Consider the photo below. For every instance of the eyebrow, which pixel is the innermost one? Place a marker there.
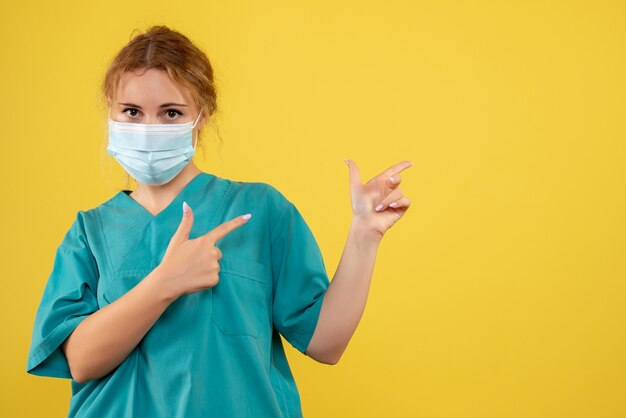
(163, 105)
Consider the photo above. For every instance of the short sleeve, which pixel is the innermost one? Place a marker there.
(299, 276)
(68, 298)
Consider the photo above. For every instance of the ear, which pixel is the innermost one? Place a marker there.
(202, 120)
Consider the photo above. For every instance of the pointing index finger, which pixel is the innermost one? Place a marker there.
(220, 231)
(397, 168)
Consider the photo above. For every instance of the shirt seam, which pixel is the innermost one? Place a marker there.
(273, 236)
(104, 240)
(220, 209)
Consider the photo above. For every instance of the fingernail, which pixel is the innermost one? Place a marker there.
(246, 216)
(379, 207)
(185, 207)
(391, 179)
(394, 204)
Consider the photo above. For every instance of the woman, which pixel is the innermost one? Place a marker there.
(169, 301)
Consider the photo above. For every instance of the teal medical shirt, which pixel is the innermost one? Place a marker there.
(212, 353)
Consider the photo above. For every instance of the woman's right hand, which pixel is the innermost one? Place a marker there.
(191, 265)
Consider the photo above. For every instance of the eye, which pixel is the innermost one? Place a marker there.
(173, 114)
(131, 114)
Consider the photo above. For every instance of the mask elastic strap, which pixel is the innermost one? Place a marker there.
(194, 124)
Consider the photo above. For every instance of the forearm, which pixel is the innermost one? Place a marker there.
(103, 340)
(346, 296)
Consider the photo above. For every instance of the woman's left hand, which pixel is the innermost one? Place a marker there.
(379, 203)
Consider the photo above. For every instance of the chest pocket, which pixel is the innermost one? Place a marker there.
(242, 297)
(113, 286)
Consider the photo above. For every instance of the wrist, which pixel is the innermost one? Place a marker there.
(164, 284)
(365, 233)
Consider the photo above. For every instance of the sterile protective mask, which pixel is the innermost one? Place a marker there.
(152, 153)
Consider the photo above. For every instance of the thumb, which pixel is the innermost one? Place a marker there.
(184, 228)
(355, 176)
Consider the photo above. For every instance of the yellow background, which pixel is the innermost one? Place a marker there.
(501, 293)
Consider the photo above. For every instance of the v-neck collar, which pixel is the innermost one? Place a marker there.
(191, 185)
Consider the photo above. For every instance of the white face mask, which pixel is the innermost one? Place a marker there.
(152, 153)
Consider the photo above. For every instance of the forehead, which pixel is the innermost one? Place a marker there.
(151, 87)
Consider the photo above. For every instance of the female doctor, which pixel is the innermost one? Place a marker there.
(169, 300)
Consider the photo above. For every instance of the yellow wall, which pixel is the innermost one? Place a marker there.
(501, 293)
